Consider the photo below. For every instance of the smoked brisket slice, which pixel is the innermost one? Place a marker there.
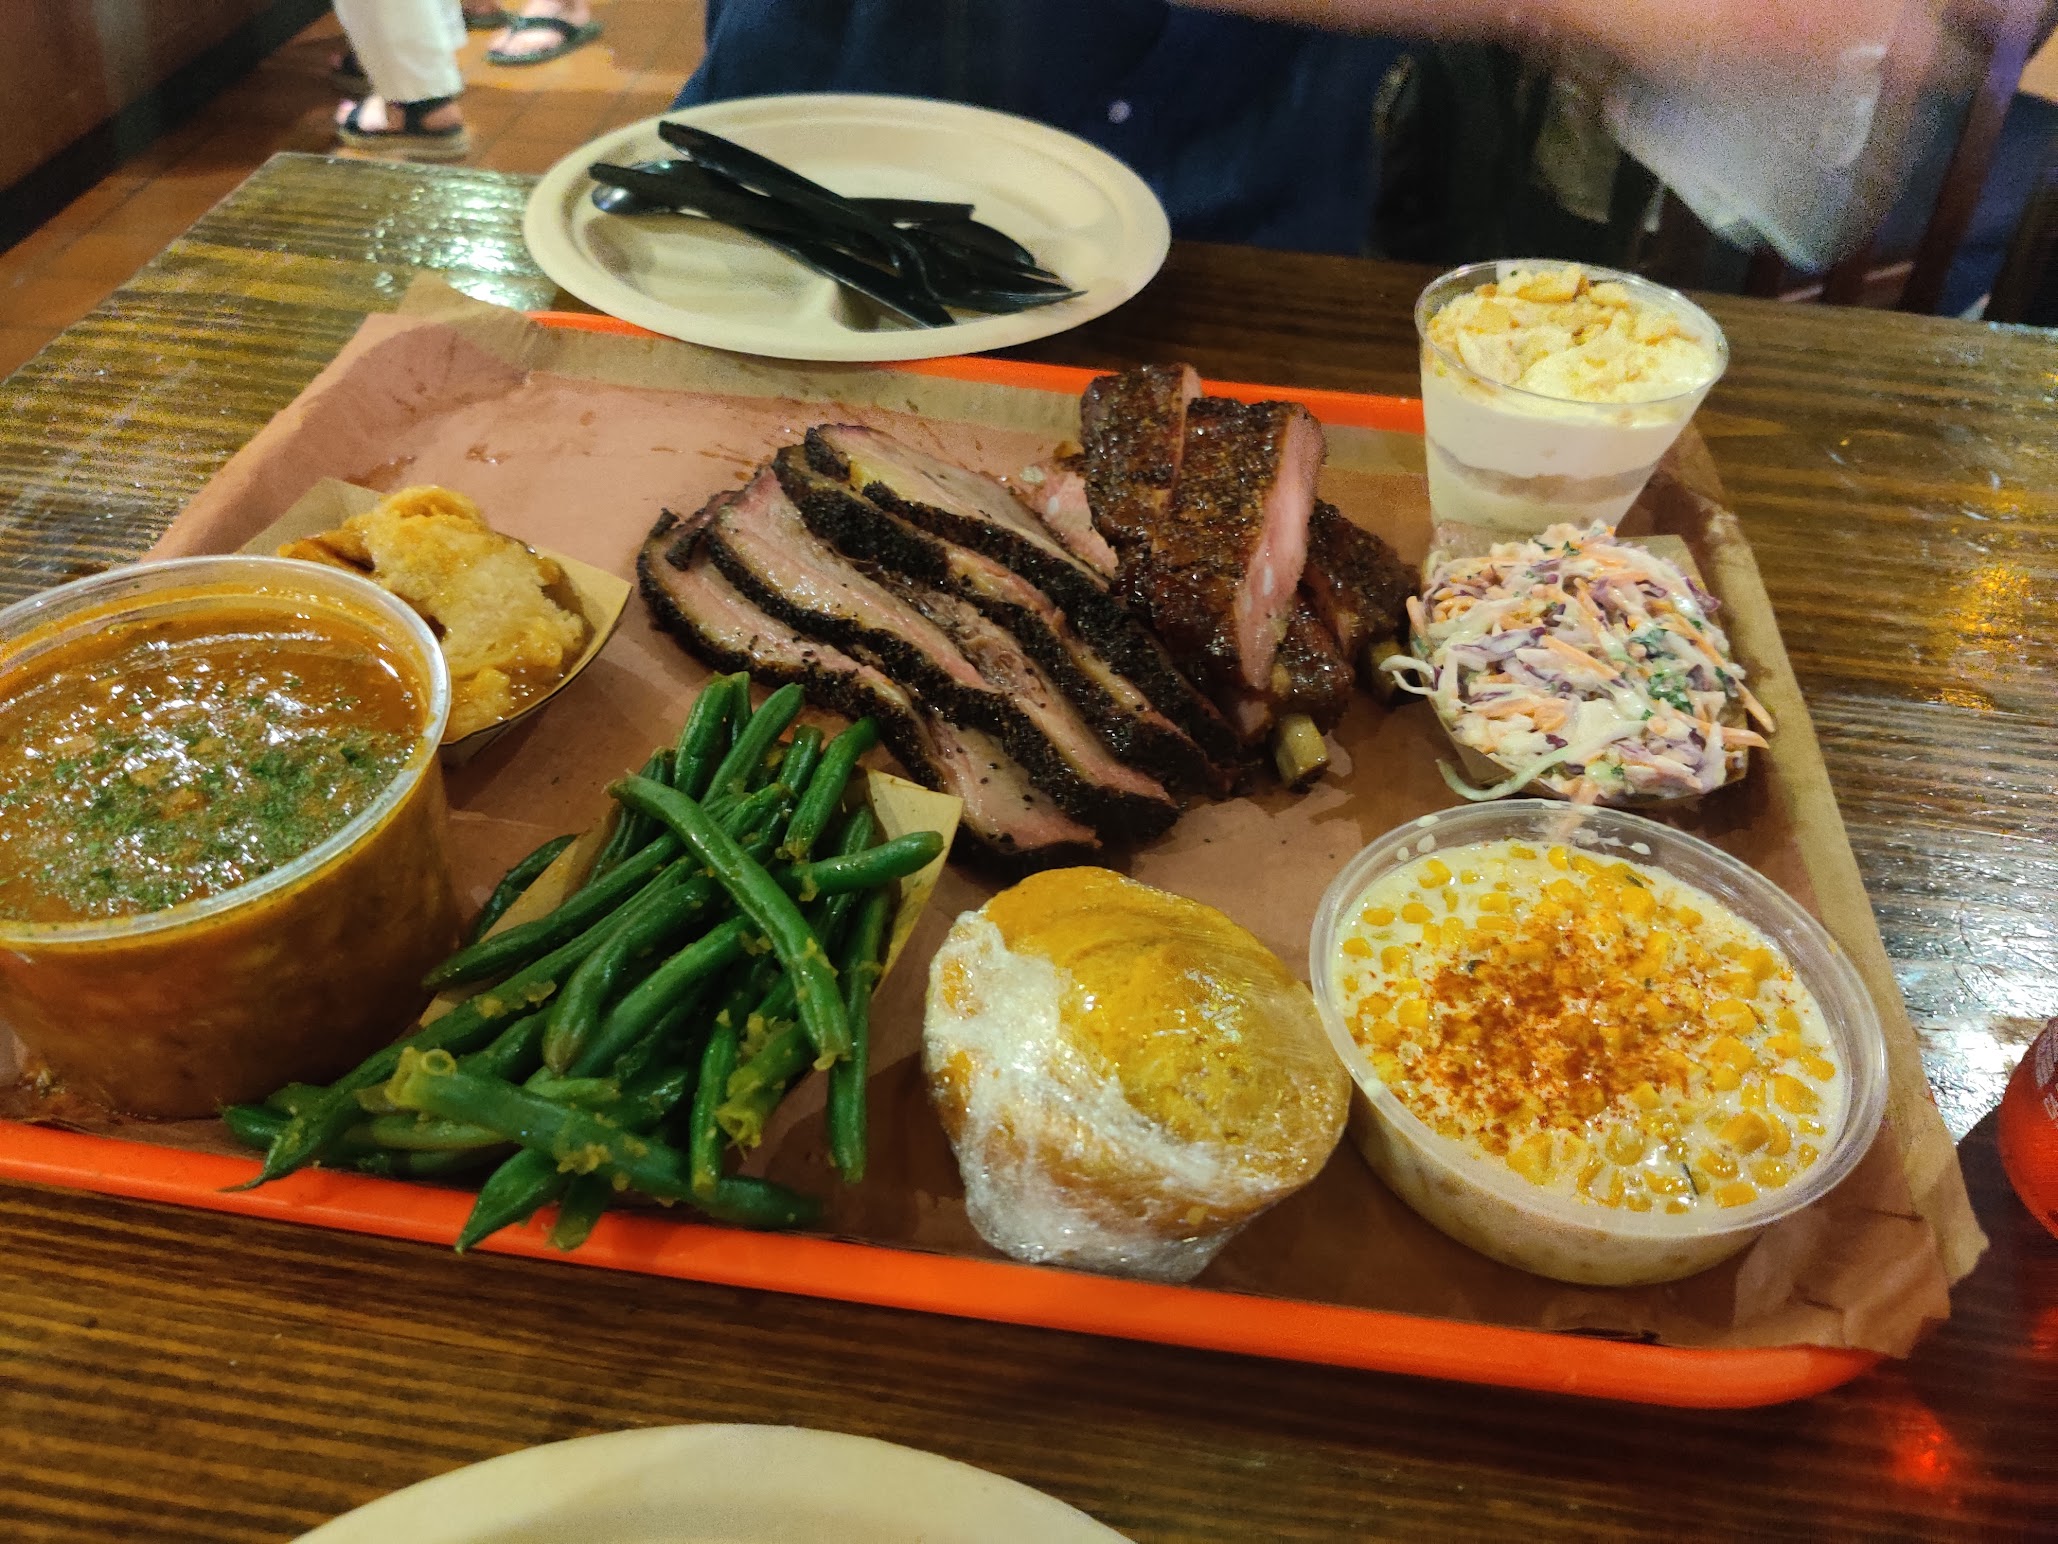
(981, 514)
(1356, 583)
(1056, 491)
(1005, 814)
(1111, 705)
(1220, 571)
(921, 638)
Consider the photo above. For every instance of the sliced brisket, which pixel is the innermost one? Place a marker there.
(981, 514)
(1115, 709)
(939, 649)
(1004, 811)
(1056, 490)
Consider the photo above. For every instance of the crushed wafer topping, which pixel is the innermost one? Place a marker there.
(1555, 332)
(1606, 1031)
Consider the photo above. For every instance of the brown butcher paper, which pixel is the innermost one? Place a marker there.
(576, 442)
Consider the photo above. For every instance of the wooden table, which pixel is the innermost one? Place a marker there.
(173, 1375)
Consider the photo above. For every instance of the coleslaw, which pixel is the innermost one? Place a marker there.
(1585, 665)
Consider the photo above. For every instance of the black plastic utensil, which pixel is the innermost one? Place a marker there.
(917, 259)
(679, 187)
(761, 173)
(781, 228)
(614, 199)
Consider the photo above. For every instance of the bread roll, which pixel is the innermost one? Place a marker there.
(1127, 1076)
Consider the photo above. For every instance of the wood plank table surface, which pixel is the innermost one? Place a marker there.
(167, 1374)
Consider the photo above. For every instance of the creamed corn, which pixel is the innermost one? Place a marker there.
(1604, 1030)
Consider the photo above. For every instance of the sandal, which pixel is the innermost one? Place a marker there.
(570, 36)
(347, 75)
(410, 141)
(487, 21)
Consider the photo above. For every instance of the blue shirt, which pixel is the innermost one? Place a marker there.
(1247, 131)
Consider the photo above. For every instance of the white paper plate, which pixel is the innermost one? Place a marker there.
(1083, 213)
(704, 1484)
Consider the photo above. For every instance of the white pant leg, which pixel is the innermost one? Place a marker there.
(407, 47)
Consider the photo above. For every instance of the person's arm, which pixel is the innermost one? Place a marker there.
(1657, 38)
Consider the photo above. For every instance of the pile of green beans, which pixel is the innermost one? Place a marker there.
(640, 1034)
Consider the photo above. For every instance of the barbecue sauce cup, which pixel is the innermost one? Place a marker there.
(192, 675)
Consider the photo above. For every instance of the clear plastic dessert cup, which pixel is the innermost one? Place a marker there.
(1514, 461)
(295, 974)
(1478, 1199)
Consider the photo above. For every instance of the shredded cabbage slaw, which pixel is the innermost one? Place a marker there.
(1584, 664)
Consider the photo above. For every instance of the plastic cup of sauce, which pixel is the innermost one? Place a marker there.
(223, 858)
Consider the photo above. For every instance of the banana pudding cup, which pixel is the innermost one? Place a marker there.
(1550, 391)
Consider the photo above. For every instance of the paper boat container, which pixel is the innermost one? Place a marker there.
(594, 593)
(1454, 540)
(899, 805)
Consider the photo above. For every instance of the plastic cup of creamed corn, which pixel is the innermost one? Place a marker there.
(1551, 390)
(1590, 1045)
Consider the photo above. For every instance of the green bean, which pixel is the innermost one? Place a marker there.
(746, 988)
(374, 1101)
(410, 1133)
(512, 1194)
(825, 789)
(394, 1165)
(527, 1181)
(651, 920)
(632, 830)
(705, 736)
(257, 1125)
(703, 1135)
(862, 960)
(664, 1040)
(758, 1203)
(254, 1125)
(867, 870)
(783, 1055)
(827, 914)
(515, 946)
(294, 1097)
(597, 902)
(466, 1027)
(515, 1052)
(758, 736)
(760, 899)
(646, 1003)
(756, 1087)
(576, 1019)
(651, 1096)
(513, 883)
(803, 754)
(585, 1199)
(589, 1093)
(579, 1142)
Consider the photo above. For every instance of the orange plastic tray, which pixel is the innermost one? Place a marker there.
(942, 1284)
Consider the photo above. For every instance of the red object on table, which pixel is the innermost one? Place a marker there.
(2029, 1128)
